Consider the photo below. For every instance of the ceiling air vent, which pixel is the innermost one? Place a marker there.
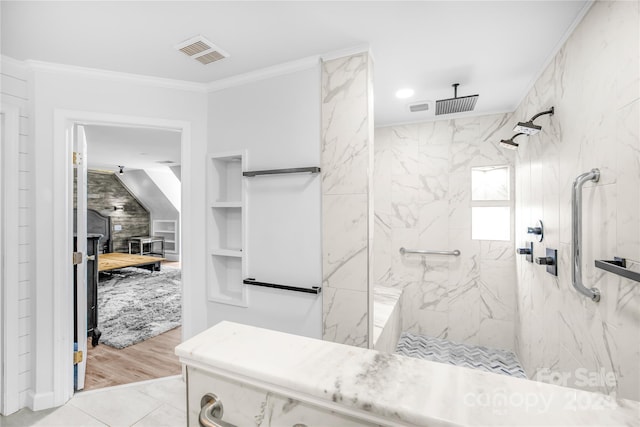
(210, 57)
(202, 50)
(419, 106)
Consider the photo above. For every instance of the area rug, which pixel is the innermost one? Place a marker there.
(136, 304)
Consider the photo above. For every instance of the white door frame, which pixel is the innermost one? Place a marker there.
(80, 148)
(9, 249)
(62, 217)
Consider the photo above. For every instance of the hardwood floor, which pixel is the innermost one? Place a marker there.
(153, 358)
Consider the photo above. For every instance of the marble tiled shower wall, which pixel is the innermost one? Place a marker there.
(593, 84)
(422, 184)
(347, 144)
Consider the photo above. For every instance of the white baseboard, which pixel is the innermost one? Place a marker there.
(40, 401)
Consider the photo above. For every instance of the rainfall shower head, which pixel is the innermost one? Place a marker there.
(510, 143)
(529, 127)
(455, 104)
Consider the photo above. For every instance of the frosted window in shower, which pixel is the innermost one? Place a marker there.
(490, 183)
(491, 223)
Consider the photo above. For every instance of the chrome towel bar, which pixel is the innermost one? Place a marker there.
(576, 234)
(404, 251)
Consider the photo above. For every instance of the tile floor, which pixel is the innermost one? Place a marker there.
(160, 402)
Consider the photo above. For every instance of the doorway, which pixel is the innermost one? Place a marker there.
(63, 326)
(133, 201)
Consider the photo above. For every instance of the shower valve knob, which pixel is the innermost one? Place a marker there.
(537, 231)
(527, 251)
(545, 260)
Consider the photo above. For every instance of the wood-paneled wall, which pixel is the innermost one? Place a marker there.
(104, 191)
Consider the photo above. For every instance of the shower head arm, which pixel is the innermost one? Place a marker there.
(513, 137)
(549, 111)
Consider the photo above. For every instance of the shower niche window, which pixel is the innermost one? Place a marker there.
(490, 183)
(490, 203)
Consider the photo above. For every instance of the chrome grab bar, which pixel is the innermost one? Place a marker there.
(427, 252)
(211, 411)
(576, 232)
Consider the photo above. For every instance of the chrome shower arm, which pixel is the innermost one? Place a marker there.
(576, 234)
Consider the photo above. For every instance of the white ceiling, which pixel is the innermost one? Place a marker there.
(495, 49)
(133, 148)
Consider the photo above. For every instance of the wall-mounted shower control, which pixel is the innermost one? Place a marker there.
(545, 260)
(527, 250)
(550, 261)
(538, 230)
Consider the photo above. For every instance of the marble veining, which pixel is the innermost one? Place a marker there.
(346, 156)
(385, 389)
(345, 138)
(346, 316)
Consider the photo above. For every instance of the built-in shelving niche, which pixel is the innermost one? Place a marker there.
(225, 228)
(168, 229)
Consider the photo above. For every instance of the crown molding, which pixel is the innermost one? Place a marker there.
(285, 68)
(116, 76)
(264, 73)
(11, 62)
(213, 86)
(353, 50)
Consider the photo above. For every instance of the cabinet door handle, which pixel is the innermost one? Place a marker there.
(211, 411)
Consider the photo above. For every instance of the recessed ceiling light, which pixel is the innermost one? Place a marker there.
(404, 93)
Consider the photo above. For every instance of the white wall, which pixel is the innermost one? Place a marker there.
(594, 84)
(80, 92)
(277, 121)
(15, 90)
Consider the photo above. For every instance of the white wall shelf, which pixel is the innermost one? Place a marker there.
(225, 228)
(167, 228)
(227, 252)
(226, 205)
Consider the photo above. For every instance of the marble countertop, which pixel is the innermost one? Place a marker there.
(397, 389)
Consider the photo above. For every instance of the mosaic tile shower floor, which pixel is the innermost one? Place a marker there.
(486, 359)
